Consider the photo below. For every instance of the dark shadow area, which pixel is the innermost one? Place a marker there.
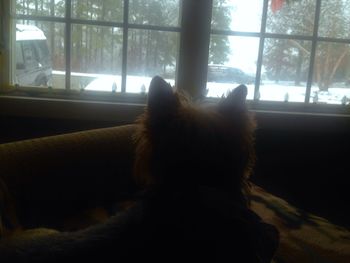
(302, 159)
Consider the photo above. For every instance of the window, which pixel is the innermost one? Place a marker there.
(286, 52)
(111, 46)
(297, 51)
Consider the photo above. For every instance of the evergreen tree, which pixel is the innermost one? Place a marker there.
(219, 49)
(97, 49)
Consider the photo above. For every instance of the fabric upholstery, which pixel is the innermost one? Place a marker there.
(56, 176)
(85, 173)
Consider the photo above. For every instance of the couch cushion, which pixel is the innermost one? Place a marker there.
(55, 176)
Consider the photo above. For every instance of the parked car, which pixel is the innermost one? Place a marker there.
(33, 59)
(220, 73)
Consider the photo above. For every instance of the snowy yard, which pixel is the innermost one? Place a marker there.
(269, 90)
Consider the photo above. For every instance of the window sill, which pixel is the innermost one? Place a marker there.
(126, 109)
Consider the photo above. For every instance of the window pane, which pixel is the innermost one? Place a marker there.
(285, 70)
(331, 74)
(292, 17)
(41, 7)
(155, 12)
(150, 53)
(335, 19)
(39, 54)
(96, 54)
(232, 61)
(98, 10)
(237, 15)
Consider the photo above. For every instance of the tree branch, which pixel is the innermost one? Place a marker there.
(299, 46)
(337, 64)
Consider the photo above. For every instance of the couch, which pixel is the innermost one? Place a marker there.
(70, 181)
(55, 178)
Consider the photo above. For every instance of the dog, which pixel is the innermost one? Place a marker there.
(193, 164)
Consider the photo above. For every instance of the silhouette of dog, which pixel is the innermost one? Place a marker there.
(193, 163)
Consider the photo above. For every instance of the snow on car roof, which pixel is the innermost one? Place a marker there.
(29, 32)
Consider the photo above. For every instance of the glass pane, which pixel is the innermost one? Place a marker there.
(150, 53)
(335, 19)
(285, 70)
(232, 61)
(237, 15)
(106, 10)
(155, 12)
(96, 58)
(39, 54)
(331, 74)
(41, 7)
(291, 17)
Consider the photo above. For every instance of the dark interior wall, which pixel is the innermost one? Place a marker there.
(302, 158)
(305, 159)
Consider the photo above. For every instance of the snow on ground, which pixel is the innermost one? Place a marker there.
(271, 91)
(268, 91)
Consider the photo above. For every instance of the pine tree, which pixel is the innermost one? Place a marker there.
(219, 49)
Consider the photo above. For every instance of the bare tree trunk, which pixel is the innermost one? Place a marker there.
(318, 71)
(52, 34)
(91, 39)
(298, 70)
(103, 33)
(155, 55)
(140, 45)
(28, 9)
(337, 63)
(148, 50)
(112, 53)
(324, 84)
(36, 11)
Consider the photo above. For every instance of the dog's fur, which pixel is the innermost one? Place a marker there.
(183, 145)
(193, 163)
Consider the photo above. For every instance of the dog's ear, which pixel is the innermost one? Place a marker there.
(235, 100)
(161, 98)
(238, 96)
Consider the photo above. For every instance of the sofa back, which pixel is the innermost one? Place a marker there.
(50, 178)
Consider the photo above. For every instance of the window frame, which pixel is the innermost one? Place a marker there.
(192, 63)
(262, 35)
(68, 20)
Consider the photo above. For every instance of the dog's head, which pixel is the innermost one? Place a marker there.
(181, 144)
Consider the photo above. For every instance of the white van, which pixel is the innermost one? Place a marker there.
(33, 59)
